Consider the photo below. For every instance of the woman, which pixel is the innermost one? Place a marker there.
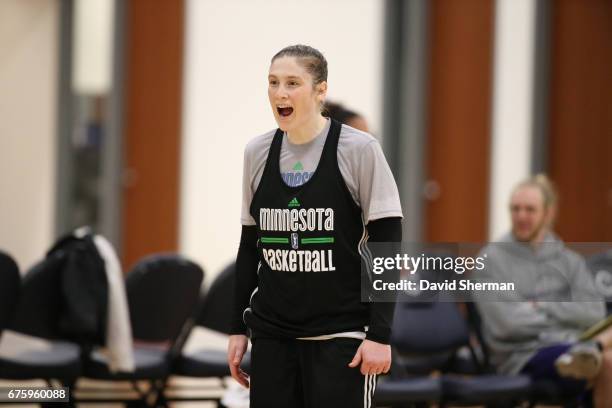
(308, 189)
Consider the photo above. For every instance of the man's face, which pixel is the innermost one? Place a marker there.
(529, 217)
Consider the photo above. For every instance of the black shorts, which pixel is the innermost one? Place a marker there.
(308, 374)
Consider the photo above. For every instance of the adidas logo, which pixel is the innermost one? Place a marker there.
(294, 203)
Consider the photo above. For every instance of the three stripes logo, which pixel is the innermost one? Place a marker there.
(293, 203)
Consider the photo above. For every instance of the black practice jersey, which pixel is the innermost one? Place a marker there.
(309, 237)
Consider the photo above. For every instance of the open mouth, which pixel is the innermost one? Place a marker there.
(284, 111)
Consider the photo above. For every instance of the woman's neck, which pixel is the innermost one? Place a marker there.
(307, 132)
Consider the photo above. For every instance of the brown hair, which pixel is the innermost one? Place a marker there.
(308, 57)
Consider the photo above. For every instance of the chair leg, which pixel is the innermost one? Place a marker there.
(136, 404)
(160, 401)
(70, 383)
(158, 387)
(153, 396)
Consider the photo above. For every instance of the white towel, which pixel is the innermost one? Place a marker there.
(118, 330)
(235, 396)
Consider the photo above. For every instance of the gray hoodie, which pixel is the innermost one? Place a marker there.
(519, 323)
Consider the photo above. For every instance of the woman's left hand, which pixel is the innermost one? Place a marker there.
(375, 358)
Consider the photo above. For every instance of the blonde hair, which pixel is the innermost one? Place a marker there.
(546, 187)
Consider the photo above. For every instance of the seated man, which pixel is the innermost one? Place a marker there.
(529, 330)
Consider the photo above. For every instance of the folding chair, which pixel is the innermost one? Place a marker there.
(601, 268)
(407, 391)
(9, 289)
(215, 314)
(409, 382)
(162, 292)
(32, 349)
(428, 337)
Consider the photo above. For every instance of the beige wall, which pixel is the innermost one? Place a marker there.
(227, 54)
(511, 129)
(28, 94)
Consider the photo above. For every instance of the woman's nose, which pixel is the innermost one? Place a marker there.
(281, 92)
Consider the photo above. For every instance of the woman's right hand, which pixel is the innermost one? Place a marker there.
(236, 348)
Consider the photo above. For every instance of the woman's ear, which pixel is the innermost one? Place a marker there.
(322, 90)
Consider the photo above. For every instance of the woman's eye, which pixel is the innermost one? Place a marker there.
(292, 83)
(273, 83)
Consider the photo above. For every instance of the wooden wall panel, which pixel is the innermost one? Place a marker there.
(459, 109)
(154, 56)
(581, 117)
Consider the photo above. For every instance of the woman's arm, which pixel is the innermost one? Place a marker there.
(245, 283)
(381, 313)
(246, 276)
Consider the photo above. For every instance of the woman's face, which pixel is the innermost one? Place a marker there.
(293, 99)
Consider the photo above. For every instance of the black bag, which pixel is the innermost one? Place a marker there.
(65, 296)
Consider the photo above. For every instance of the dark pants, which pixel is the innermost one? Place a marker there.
(542, 367)
(308, 374)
